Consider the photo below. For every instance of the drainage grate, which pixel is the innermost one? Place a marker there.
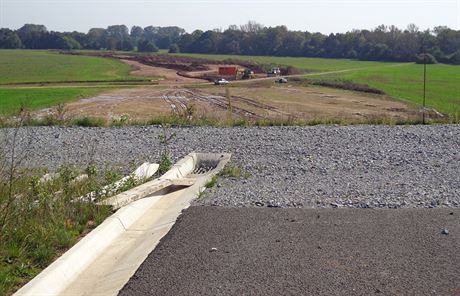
(205, 166)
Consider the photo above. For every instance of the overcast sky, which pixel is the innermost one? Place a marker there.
(318, 16)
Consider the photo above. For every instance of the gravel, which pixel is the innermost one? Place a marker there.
(321, 166)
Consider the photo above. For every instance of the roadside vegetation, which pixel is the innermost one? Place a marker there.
(175, 121)
(44, 214)
(42, 217)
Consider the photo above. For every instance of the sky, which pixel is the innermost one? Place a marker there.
(328, 16)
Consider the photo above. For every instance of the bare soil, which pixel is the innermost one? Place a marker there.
(268, 102)
(169, 76)
(251, 99)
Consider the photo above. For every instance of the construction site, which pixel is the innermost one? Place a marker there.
(186, 88)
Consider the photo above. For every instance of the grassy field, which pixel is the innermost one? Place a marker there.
(27, 66)
(22, 66)
(406, 82)
(400, 80)
(11, 99)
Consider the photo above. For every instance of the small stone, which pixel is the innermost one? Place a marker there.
(445, 231)
(259, 204)
(213, 250)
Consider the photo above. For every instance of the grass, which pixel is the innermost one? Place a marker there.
(233, 170)
(211, 183)
(174, 121)
(43, 221)
(400, 80)
(27, 66)
(11, 99)
(406, 82)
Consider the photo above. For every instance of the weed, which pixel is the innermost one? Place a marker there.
(201, 195)
(129, 183)
(234, 170)
(122, 121)
(165, 137)
(211, 183)
(165, 164)
(89, 122)
(39, 218)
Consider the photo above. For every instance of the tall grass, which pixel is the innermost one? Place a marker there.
(40, 218)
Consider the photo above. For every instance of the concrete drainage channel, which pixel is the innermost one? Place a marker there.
(104, 260)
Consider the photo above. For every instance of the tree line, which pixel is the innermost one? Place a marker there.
(117, 37)
(384, 43)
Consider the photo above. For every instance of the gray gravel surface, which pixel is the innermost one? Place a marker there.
(261, 251)
(321, 166)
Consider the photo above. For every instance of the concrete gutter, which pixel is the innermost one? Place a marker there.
(104, 260)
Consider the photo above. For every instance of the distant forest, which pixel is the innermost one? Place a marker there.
(384, 43)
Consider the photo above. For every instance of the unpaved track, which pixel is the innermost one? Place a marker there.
(266, 251)
(170, 76)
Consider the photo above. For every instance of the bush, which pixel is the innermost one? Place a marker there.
(146, 46)
(347, 85)
(425, 58)
(174, 48)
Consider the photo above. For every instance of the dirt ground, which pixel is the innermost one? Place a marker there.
(268, 251)
(168, 76)
(254, 99)
(273, 102)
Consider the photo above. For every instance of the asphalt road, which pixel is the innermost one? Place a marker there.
(273, 251)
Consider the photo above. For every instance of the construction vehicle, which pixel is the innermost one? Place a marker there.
(274, 72)
(247, 74)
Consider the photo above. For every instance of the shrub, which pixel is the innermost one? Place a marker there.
(174, 48)
(146, 46)
(425, 58)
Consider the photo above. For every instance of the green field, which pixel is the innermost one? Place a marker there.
(22, 66)
(400, 80)
(406, 82)
(11, 99)
(27, 66)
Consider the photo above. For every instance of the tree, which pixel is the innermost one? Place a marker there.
(117, 37)
(33, 36)
(96, 38)
(137, 32)
(9, 39)
(146, 46)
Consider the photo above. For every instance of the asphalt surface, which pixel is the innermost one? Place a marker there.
(275, 251)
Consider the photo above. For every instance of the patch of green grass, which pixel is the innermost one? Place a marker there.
(233, 170)
(406, 82)
(26, 66)
(11, 99)
(42, 219)
(211, 183)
